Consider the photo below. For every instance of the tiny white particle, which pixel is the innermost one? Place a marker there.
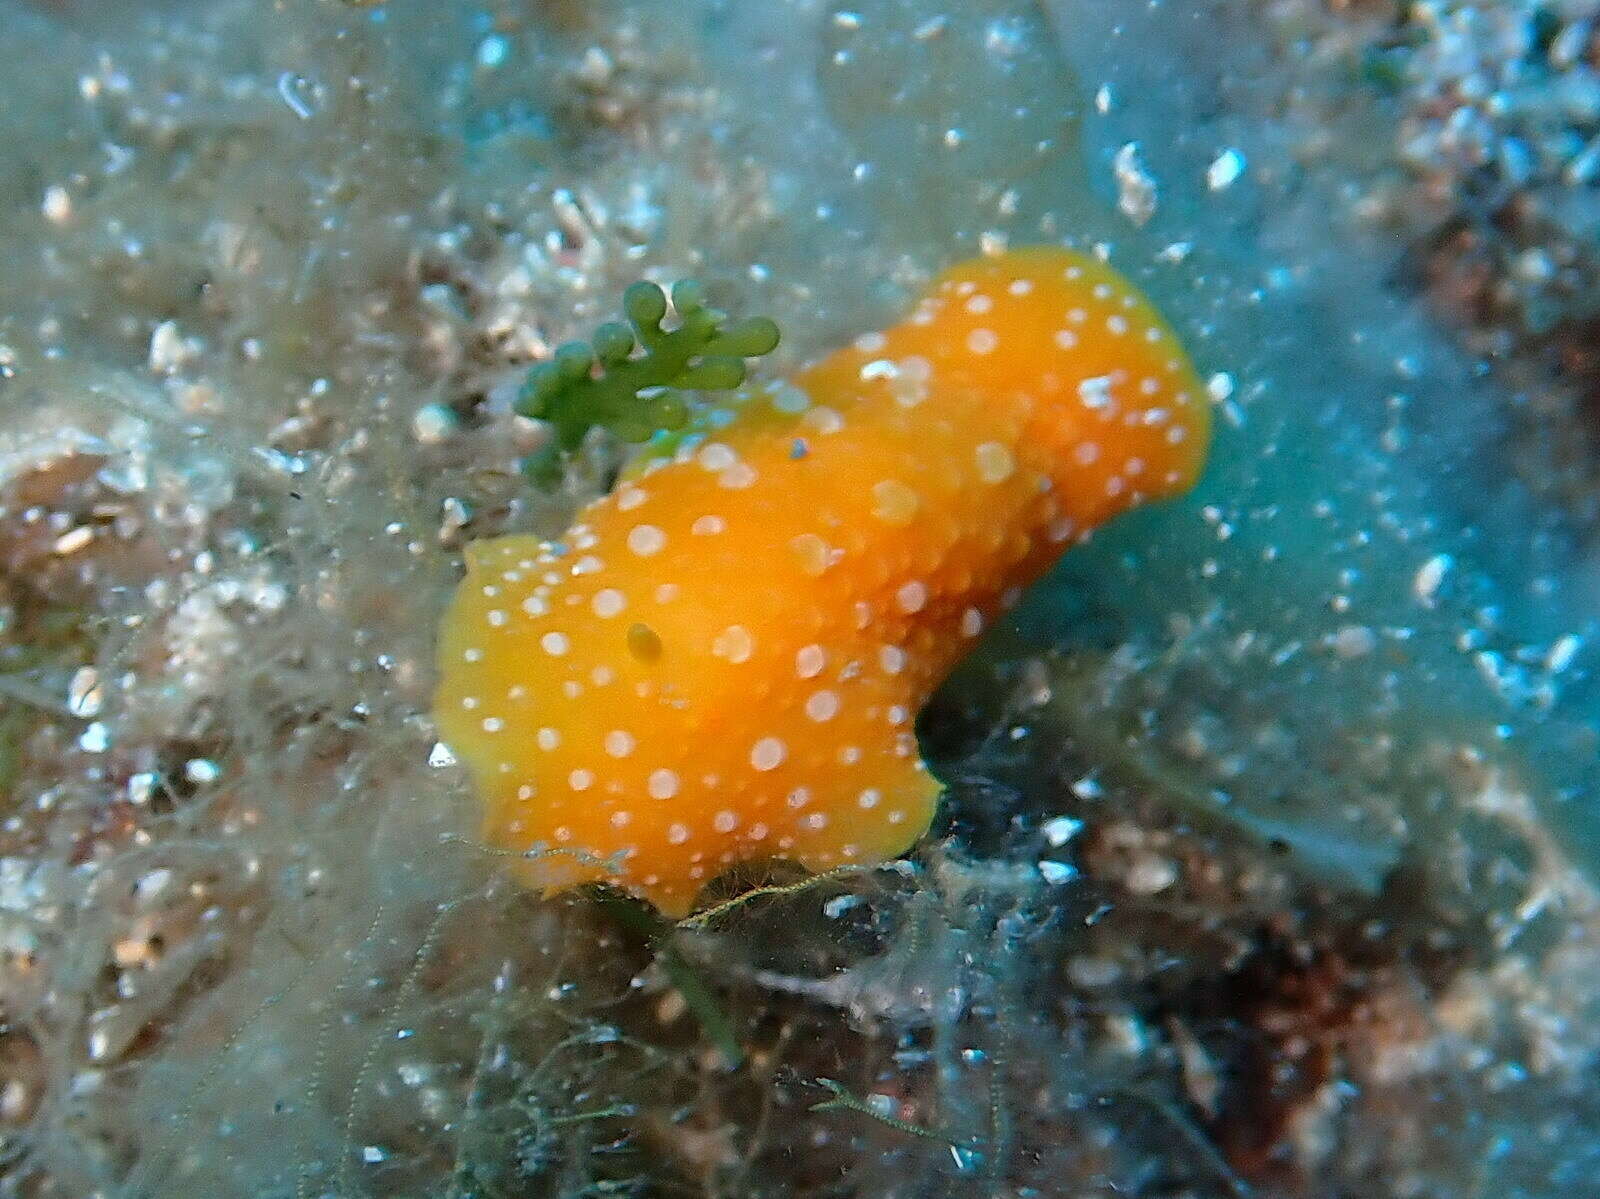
(666, 593)
(757, 832)
(497, 617)
(469, 702)
(725, 821)
(619, 743)
(892, 658)
(896, 816)
(912, 596)
(971, 622)
(817, 820)
(798, 798)
(547, 738)
(620, 819)
(1225, 170)
(580, 779)
(707, 526)
(493, 724)
(57, 206)
(897, 714)
(868, 799)
(1117, 324)
(608, 603)
(646, 540)
(1426, 582)
(662, 784)
(979, 304)
(738, 476)
(555, 644)
(982, 341)
(1020, 287)
(630, 497)
(809, 661)
(871, 343)
(768, 753)
(677, 834)
(534, 606)
(472, 655)
(1065, 339)
(1086, 453)
(1055, 873)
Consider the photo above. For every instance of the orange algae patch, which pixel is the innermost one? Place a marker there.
(723, 659)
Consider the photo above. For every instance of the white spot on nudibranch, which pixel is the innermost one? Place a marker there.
(768, 753)
(646, 540)
(822, 705)
(734, 644)
(995, 462)
(809, 661)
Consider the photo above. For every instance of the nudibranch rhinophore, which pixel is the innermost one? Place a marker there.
(723, 658)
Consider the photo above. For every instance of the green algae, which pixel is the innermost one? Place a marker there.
(631, 382)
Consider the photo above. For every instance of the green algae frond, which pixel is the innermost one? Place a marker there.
(629, 381)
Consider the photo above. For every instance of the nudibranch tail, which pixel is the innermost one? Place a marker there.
(724, 658)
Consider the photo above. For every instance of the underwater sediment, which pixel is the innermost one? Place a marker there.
(1263, 858)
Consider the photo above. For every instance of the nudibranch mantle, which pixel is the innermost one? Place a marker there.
(723, 659)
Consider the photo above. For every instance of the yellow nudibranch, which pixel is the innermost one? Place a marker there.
(723, 659)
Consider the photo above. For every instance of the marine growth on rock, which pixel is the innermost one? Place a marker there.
(723, 659)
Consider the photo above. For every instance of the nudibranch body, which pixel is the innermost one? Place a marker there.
(723, 659)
